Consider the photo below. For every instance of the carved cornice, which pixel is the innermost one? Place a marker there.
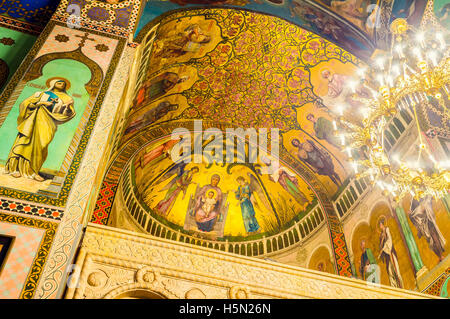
(164, 267)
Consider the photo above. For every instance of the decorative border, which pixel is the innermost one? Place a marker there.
(53, 279)
(87, 22)
(20, 26)
(37, 267)
(31, 209)
(435, 287)
(76, 161)
(151, 261)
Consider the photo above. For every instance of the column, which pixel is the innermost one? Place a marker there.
(410, 242)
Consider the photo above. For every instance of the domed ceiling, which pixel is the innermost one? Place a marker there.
(241, 69)
(234, 68)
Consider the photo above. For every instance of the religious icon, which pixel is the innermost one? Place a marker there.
(423, 218)
(155, 88)
(5, 248)
(112, 1)
(388, 255)
(443, 15)
(208, 207)
(287, 180)
(323, 129)
(151, 116)
(341, 97)
(244, 194)
(178, 184)
(317, 159)
(4, 73)
(190, 40)
(39, 117)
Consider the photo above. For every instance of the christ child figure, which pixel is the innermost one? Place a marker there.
(209, 202)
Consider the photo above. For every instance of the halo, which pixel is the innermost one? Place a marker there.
(47, 83)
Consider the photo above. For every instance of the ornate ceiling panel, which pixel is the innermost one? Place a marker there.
(359, 26)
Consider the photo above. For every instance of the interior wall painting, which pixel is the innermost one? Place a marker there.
(321, 260)
(200, 67)
(42, 126)
(215, 200)
(346, 23)
(430, 224)
(380, 255)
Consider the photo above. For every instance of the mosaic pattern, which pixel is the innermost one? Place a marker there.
(24, 264)
(20, 25)
(31, 209)
(36, 12)
(435, 288)
(113, 18)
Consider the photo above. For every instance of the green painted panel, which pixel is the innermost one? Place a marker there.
(78, 75)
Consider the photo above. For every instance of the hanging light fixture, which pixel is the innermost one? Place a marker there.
(415, 73)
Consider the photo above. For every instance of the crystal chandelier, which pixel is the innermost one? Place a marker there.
(414, 73)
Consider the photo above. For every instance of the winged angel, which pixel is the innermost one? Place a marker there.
(247, 194)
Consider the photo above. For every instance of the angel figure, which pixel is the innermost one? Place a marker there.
(287, 180)
(245, 196)
(178, 183)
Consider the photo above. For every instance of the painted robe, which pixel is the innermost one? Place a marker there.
(205, 222)
(319, 160)
(389, 256)
(248, 212)
(290, 183)
(370, 271)
(180, 184)
(37, 126)
(422, 216)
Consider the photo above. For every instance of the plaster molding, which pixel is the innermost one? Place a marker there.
(105, 249)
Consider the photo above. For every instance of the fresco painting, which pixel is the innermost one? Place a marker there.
(362, 13)
(217, 200)
(430, 225)
(321, 260)
(352, 28)
(33, 152)
(380, 255)
(211, 78)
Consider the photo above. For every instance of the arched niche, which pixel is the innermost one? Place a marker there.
(369, 231)
(321, 260)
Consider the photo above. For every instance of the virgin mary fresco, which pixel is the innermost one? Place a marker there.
(39, 117)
